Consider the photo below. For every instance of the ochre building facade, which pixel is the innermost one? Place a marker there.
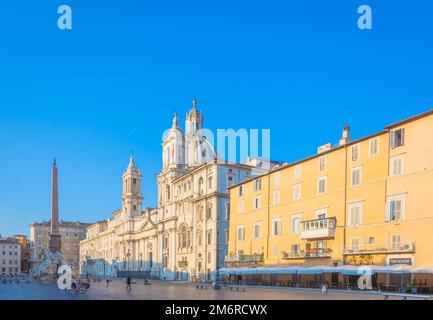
(363, 202)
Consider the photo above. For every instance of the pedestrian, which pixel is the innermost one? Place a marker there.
(128, 283)
(107, 281)
(324, 289)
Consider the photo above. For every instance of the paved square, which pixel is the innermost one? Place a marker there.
(166, 290)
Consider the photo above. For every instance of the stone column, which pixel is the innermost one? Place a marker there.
(54, 240)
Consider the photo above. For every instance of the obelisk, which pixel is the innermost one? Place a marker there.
(54, 242)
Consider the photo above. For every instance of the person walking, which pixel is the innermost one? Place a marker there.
(128, 283)
(324, 289)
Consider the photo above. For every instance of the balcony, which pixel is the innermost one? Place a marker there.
(394, 248)
(318, 229)
(307, 254)
(245, 258)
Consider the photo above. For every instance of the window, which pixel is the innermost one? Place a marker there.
(276, 226)
(200, 186)
(355, 152)
(165, 242)
(296, 224)
(354, 244)
(355, 215)
(298, 172)
(257, 230)
(369, 240)
(227, 206)
(397, 138)
(275, 249)
(276, 197)
(395, 210)
(276, 178)
(200, 213)
(374, 147)
(256, 204)
(209, 238)
(296, 192)
(240, 207)
(322, 163)
(210, 182)
(241, 233)
(183, 239)
(321, 213)
(356, 176)
(257, 185)
(199, 238)
(396, 166)
(209, 212)
(396, 242)
(230, 180)
(294, 249)
(167, 190)
(241, 191)
(321, 185)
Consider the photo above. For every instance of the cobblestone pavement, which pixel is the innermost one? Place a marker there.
(166, 290)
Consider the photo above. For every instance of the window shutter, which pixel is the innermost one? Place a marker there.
(387, 215)
(392, 139)
(402, 136)
(360, 215)
(398, 210)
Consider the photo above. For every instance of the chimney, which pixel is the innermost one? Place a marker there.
(346, 135)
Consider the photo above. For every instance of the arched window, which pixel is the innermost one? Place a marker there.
(184, 237)
(167, 188)
(168, 156)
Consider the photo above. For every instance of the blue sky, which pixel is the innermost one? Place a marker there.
(90, 95)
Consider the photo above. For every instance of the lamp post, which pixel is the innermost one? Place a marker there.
(128, 255)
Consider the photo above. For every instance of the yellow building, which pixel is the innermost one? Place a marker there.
(362, 202)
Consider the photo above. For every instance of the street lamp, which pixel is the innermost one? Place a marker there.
(128, 255)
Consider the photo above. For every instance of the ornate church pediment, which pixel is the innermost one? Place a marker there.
(144, 225)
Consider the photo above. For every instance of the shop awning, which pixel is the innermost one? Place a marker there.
(422, 270)
(346, 270)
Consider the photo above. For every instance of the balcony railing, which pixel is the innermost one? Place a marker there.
(308, 254)
(392, 248)
(318, 228)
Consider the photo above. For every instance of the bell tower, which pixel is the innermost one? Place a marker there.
(193, 135)
(173, 146)
(132, 198)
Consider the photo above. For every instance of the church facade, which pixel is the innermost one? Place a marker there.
(186, 236)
